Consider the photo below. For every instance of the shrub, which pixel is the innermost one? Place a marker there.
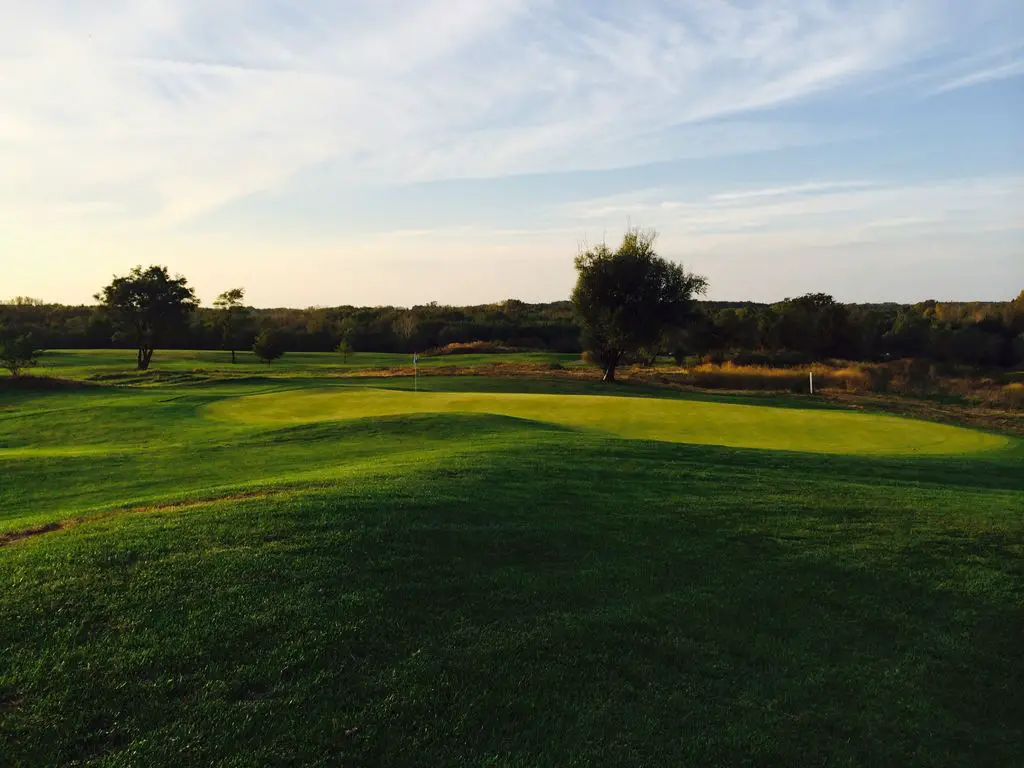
(268, 346)
(18, 353)
(913, 375)
(1012, 395)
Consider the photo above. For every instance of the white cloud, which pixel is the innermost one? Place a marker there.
(163, 109)
(986, 75)
(811, 186)
(812, 214)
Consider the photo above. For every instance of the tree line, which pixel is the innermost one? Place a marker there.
(628, 306)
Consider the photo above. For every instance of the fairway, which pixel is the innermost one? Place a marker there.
(648, 418)
(297, 568)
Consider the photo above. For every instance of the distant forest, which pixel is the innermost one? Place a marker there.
(793, 331)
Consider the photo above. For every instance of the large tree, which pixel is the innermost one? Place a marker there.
(232, 314)
(146, 305)
(629, 298)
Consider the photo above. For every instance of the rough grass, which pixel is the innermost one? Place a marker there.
(116, 366)
(473, 347)
(900, 377)
(757, 377)
(484, 589)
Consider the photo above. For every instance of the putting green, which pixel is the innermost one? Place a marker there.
(680, 421)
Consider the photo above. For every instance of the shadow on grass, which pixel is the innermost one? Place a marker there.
(1003, 470)
(647, 606)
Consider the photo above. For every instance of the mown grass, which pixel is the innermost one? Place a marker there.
(117, 365)
(513, 589)
(683, 421)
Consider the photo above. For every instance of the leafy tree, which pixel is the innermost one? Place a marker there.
(18, 353)
(147, 305)
(268, 346)
(630, 298)
(232, 309)
(910, 335)
(344, 349)
(813, 324)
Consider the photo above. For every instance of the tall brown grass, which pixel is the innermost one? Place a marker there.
(757, 377)
(473, 348)
(902, 377)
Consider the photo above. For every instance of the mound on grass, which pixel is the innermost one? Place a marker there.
(678, 420)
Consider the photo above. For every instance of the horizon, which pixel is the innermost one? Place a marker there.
(35, 300)
(397, 154)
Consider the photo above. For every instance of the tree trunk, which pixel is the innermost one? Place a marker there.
(233, 356)
(609, 373)
(143, 358)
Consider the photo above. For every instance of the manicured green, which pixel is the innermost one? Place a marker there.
(301, 569)
(677, 421)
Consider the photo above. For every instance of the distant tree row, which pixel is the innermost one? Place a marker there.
(629, 305)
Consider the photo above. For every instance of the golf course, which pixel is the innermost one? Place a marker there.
(311, 564)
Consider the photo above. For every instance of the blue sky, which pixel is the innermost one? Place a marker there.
(389, 152)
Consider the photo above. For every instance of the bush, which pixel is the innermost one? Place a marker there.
(914, 375)
(268, 346)
(1012, 395)
(18, 353)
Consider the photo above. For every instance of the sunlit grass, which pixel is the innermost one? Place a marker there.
(501, 572)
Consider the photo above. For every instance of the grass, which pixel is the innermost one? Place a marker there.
(494, 572)
(679, 421)
(117, 365)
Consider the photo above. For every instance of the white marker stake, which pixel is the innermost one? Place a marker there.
(811, 375)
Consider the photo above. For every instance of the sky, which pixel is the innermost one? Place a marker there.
(397, 152)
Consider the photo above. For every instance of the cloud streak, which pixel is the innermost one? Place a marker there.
(164, 109)
(987, 75)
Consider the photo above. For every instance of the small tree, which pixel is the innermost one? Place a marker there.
(344, 349)
(405, 327)
(232, 309)
(628, 299)
(267, 346)
(18, 353)
(146, 305)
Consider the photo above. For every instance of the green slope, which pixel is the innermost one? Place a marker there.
(357, 576)
(680, 421)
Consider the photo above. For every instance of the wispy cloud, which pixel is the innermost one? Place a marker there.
(822, 212)
(796, 189)
(167, 108)
(986, 75)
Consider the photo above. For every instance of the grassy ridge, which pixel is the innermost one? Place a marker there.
(453, 588)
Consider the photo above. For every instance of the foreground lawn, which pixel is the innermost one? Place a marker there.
(261, 573)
